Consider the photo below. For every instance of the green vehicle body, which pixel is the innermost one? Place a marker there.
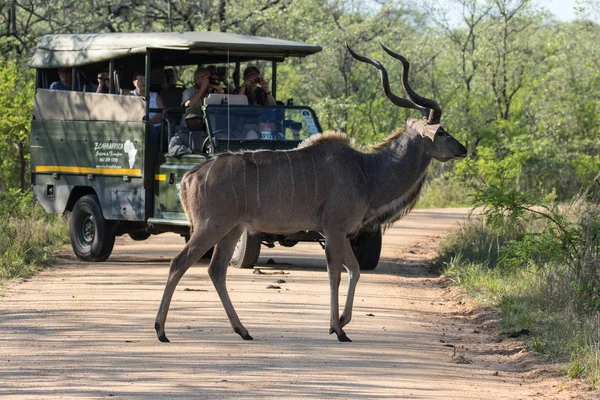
(91, 154)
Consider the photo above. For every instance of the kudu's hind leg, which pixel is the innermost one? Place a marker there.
(218, 274)
(334, 247)
(353, 268)
(200, 242)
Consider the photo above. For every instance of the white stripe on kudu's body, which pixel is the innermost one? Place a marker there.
(348, 191)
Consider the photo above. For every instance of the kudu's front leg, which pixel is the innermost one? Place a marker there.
(353, 268)
(191, 253)
(203, 238)
(334, 247)
(218, 274)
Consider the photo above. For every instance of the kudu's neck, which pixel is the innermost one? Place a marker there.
(401, 168)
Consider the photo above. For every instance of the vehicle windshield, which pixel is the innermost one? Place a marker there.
(237, 123)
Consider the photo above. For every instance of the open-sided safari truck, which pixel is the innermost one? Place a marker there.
(91, 153)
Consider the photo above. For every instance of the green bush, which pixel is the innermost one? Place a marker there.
(538, 263)
(27, 234)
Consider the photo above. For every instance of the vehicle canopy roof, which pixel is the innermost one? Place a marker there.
(54, 51)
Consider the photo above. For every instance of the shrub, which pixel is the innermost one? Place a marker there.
(27, 234)
(538, 263)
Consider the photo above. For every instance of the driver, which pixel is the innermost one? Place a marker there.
(269, 126)
(191, 137)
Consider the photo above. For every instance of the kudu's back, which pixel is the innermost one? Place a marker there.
(280, 191)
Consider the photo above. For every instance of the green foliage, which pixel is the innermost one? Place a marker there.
(519, 89)
(16, 107)
(537, 262)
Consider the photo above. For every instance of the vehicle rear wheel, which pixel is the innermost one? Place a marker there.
(246, 251)
(92, 237)
(367, 249)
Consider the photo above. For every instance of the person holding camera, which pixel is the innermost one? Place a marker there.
(103, 82)
(195, 94)
(218, 82)
(256, 88)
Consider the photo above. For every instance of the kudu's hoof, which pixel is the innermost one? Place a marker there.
(245, 336)
(344, 338)
(161, 336)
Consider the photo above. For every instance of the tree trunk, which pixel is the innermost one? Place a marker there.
(221, 15)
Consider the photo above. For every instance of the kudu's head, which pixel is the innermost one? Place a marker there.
(443, 146)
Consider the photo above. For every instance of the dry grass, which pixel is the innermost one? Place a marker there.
(27, 235)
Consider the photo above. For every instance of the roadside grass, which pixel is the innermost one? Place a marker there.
(27, 235)
(538, 264)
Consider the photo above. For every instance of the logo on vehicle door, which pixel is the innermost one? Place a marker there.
(131, 151)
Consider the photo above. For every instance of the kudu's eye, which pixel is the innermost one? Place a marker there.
(442, 133)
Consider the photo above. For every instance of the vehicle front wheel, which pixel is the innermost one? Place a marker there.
(92, 237)
(367, 249)
(246, 251)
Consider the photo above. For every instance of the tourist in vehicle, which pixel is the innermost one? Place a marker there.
(268, 127)
(103, 82)
(65, 82)
(192, 137)
(170, 79)
(218, 82)
(196, 94)
(256, 88)
(171, 94)
(139, 84)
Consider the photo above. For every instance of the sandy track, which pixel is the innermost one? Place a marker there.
(82, 330)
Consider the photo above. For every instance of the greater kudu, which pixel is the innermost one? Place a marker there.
(324, 185)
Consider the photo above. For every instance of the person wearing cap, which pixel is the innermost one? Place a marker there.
(256, 88)
(268, 127)
(191, 137)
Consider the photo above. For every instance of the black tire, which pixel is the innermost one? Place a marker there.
(246, 251)
(139, 236)
(92, 237)
(207, 255)
(367, 249)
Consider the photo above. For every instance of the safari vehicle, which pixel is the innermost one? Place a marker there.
(92, 153)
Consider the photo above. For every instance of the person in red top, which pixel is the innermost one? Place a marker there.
(256, 88)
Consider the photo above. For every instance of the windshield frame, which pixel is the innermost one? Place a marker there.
(209, 110)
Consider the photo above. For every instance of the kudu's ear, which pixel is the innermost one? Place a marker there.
(424, 128)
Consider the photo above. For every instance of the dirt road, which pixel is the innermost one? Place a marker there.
(83, 330)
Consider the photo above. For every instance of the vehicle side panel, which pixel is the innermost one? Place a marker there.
(104, 156)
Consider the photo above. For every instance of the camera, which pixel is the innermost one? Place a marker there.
(290, 123)
(214, 80)
(222, 73)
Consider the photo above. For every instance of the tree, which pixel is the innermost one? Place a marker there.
(16, 111)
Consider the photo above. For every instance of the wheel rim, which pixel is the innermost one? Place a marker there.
(88, 231)
(238, 248)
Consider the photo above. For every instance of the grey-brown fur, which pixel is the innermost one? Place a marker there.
(325, 185)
